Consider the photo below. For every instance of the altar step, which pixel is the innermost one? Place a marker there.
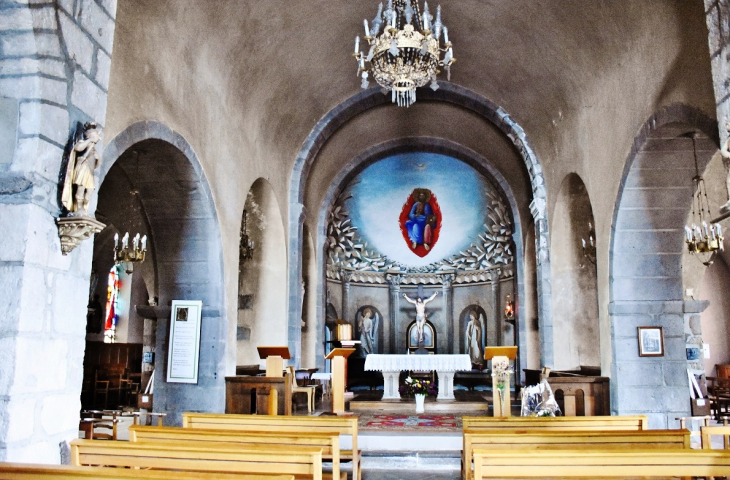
(371, 401)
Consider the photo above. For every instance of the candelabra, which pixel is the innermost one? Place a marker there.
(589, 247)
(123, 254)
(406, 55)
(702, 239)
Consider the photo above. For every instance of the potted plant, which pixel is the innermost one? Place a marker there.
(419, 389)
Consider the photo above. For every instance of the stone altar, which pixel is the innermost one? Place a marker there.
(444, 365)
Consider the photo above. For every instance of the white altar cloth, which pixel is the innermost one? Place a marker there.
(392, 365)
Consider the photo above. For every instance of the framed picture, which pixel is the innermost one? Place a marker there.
(651, 341)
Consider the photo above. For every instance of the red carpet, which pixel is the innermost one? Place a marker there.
(417, 422)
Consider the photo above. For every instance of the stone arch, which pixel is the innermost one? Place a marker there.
(452, 149)
(575, 316)
(647, 240)
(186, 238)
(261, 277)
(463, 98)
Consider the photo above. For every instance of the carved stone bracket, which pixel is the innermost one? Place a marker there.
(74, 230)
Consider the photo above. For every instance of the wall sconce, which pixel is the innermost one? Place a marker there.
(589, 248)
(509, 310)
(129, 256)
(246, 246)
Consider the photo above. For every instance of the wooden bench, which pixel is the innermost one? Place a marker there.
(26, 471)
(518, 463)
(542, 439)
(328, 441)
(302, 462)
(624, 422)
(270, 423)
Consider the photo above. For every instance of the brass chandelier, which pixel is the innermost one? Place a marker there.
(702, 239)
(406, 54)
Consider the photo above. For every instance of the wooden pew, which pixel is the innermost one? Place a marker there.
(632, 422)
(328, 441)
(632, 463)
(27, 471)
(345, 425)
(543, 439)
(303, 462)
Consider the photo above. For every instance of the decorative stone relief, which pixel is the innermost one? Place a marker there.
(493, 251)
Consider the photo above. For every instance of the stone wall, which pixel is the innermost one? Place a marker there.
(718, 26)
(54, 74)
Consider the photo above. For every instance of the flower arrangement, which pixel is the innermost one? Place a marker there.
(413, 387)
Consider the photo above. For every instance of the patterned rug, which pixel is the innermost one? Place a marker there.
(410, 422)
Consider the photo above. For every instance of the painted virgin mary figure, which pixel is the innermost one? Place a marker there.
(474, 339)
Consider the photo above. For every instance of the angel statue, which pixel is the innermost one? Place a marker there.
(79, 183)
(725, 152)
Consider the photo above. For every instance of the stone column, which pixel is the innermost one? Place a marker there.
(718, 26)
(447, 291)
(496, 307)
(345, 277)
(394, 307)
(55, 65)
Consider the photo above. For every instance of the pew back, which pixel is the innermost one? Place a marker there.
(26, 471)
(542, 439)
(345, 425)
(518, 463)
(328, 441)
(262, 459)
(708, 431)
(623, 422)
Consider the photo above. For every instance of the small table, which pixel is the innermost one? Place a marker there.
(444, 365)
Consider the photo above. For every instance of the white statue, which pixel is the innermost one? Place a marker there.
(725, 152)
(420, 312)
(474, 339)
(79, 182)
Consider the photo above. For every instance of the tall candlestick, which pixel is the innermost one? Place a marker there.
(116, 240)
(704, 226)
(357, 44)
(125, 240)
(144, 243)
(583, 241)
(446, 35)
(367, 29)
(688, 232)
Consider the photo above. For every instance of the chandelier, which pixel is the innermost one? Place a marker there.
(406, 55)
(589, 248)
(129, 256)
(702, 239)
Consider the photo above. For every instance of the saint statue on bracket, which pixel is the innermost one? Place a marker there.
(420, 221)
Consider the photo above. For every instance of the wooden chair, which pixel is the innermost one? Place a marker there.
(709, 431)
(99, 428)
(101, 388)
(718, 391)
(309, 390)
(138, 420)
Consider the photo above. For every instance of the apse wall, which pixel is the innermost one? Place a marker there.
(421, 224)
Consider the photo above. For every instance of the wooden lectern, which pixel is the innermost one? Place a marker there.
(339, 363)
(275, 357)
(501, 355)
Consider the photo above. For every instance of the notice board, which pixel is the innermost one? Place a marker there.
(184, 354)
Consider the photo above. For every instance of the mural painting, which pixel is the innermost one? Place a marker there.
(420, 221)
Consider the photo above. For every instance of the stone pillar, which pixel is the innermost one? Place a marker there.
(345, 277)
(718, 26)
(544, 288)
(496, 307)
(394, 309)
(447, 292)
(54, 75)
